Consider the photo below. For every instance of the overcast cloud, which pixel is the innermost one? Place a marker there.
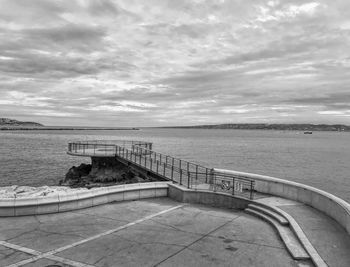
(158, 62)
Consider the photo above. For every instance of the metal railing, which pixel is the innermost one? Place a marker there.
(102, 147)
(233, 184)
(177, 170)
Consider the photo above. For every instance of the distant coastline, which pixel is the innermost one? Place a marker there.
(15, 125)
(263, 126)
(65, 129)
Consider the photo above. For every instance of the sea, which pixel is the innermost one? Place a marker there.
(321, 159)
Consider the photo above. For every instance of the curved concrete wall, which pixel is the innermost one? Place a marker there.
(80, 200)
(331, 205)
(215, 199)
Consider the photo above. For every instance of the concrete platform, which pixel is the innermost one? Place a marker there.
(149, 232)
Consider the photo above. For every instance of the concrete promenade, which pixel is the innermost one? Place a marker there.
(147, 232)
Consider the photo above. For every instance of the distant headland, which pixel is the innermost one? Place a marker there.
(264, 126)
(11, 125)
(5, 122)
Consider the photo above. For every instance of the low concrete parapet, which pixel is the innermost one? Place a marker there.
(79, 200)
(331, 205)
(215, 199)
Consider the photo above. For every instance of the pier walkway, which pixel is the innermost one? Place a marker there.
(182, 172)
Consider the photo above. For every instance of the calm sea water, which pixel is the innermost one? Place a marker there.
(321, 159)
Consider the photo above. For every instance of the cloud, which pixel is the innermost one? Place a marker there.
(164, 62)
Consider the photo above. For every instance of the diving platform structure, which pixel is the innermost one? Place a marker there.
(139, 155)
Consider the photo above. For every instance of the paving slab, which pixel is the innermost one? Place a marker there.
(248, 229)
(46, 263)
(196, 219)
(211, 251)
(128, 211)
(46, 232)
(9, 256)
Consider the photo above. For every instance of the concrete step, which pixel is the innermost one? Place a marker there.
(291, 242)
(278, 217)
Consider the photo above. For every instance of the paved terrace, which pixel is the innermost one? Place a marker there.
(164, 232)
(153, 232)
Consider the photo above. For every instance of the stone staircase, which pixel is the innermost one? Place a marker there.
(282, 225)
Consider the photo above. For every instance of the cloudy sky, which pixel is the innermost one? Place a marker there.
(158, 62)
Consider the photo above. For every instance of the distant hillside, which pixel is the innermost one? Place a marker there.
(5, 122)
(263, 126)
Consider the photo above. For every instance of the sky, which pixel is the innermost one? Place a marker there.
(164, 62)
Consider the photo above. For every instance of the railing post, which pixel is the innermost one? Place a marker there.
(151, 161)
(233, 185)
(157, 166)
(214, 183)
(212, 178)
(180, 176)
(251, 189)
(206, 175)
(172, 173)
(188, 179)
(164, 169)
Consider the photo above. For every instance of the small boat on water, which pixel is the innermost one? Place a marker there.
(308, 132)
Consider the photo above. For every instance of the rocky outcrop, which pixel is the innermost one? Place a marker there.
(109, 170)
(102, 172)
(77, 176)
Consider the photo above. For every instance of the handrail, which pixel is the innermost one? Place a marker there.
(177, 170)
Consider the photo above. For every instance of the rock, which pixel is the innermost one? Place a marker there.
(106, 170)
(103, 171)
(78, 172)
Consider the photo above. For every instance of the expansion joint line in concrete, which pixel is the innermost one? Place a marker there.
(199, 239)
(50, 254)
